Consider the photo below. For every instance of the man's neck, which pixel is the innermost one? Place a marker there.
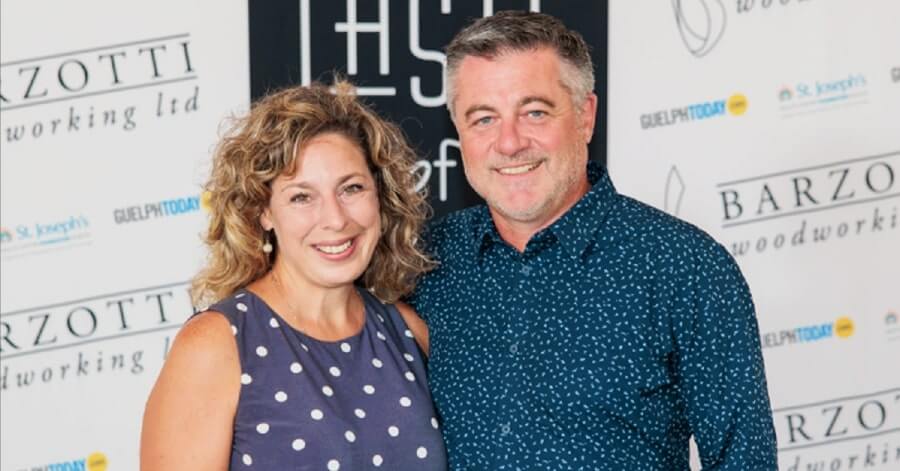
(518, 233)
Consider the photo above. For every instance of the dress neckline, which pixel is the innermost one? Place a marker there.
(282, 322)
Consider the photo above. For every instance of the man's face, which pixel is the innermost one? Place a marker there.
(523, 139)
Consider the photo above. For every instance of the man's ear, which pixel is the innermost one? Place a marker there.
(588, 117)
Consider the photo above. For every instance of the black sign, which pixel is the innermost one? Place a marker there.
(393, 51)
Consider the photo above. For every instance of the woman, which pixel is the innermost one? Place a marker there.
(300, 365)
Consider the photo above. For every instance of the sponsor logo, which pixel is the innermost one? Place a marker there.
(206, 201)
(158, 209)
(80, 339)
(701, 24)
(42, 236)
(820, 95)
(862, 190)
(866, 423)
(94, 462)
(75, 78)
(674, 192)
(892, 326)
(735, 105)
(842, 328)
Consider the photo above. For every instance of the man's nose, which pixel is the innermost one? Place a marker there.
(511, 141)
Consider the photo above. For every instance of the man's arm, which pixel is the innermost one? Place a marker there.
(720, 365)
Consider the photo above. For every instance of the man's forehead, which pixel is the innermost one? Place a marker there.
(532, 73)
(507, 55)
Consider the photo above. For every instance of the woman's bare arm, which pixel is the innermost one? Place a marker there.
(189, 418)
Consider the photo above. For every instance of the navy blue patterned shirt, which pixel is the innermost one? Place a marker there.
(616, 335)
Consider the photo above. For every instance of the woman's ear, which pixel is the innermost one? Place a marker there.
(265, 220)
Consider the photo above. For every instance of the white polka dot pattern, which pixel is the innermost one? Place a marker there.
(298, 444)
(327, 405)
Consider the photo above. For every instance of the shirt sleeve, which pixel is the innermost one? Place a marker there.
(720, 367)
(417, 298)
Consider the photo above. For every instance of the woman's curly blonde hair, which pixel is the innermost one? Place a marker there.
(263, 145)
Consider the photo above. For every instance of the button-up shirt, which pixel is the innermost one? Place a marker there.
(616, 335)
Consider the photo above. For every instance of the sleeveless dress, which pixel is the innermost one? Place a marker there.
(354, 404)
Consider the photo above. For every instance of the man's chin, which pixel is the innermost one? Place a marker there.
(521, 213)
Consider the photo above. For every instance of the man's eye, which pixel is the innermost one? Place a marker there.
(484, 121)
(537, 114)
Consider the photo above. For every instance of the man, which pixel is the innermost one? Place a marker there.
(572, 327)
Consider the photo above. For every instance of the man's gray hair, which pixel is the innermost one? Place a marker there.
(518, 31)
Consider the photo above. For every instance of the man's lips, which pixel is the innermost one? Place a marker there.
(519, 169)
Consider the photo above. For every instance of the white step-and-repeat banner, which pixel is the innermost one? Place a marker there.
(108, 113)
(775, 126)
(771, 124)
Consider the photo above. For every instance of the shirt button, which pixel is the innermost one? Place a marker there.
(505, 429)
(526, 270)
(514, 348)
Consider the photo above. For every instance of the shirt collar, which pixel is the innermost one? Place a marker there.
(575, 229)
(485, 233)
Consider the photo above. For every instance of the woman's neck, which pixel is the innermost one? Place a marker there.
(326, 313)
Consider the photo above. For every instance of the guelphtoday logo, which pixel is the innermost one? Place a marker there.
(841, 328)
(96, 461)
(734, 105)
(161, 209)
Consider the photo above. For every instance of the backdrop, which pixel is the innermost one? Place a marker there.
(773, 125)
(770, 124)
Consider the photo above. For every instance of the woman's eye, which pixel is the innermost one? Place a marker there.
(353, 188)
(300, 198)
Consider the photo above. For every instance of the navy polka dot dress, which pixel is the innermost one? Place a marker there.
(353, 404)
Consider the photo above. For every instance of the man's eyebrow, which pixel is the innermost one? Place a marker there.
(523, 102)
(476, 108)
(536, 99)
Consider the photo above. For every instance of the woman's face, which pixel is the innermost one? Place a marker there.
(326, 216)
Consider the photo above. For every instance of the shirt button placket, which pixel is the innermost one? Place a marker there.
(524, 270)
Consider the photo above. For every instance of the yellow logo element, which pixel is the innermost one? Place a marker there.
(96, 461)
(206, 201)
(843, 327)
(737, 104)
